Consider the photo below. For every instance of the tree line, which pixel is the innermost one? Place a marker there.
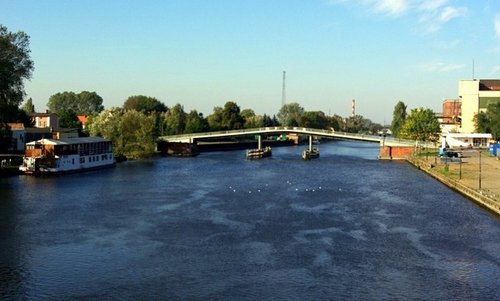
(134, 127)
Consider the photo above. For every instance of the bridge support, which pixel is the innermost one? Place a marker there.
(259, 152)
(311, 152)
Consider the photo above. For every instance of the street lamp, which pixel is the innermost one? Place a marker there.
(460, 174)
(479, 168)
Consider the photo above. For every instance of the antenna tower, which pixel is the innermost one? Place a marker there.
(473, 76)
(283, 91)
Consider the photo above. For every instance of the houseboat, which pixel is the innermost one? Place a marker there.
(52, 156)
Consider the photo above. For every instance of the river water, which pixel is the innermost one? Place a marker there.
(345, 226)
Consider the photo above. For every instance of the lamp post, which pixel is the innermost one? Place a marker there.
(460, 173)
(479, 168)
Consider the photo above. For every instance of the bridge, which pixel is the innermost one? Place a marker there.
(277, 130)
(388, 145)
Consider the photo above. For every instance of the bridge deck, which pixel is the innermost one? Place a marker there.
(190, 138)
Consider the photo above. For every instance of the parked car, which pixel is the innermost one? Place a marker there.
(443, 152)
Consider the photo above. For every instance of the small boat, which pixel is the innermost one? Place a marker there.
(55, 156)
(310, 154)
(9, 164)
(259, 153)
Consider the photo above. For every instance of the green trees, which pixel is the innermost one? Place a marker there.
(69, 104)
(89, 103)
(231, 118)
(489, 121)
(15, 67)
(398, 118)
(28, 106)
(131, 132)
(215, 119)
(175, 120)
(421, 125)
(84, 103)
(290, 114)
(144, 104)
(314, 119)
(195, 123)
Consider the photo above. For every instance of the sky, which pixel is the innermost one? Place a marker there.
(203, 53)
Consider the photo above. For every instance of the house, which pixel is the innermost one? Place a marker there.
(45, 120)
(18, 136)
(83, 120)
(22, 135)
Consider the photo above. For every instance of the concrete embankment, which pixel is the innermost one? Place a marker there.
(485, 198)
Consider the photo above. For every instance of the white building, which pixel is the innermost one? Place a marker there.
(475, 96)
(465, 140)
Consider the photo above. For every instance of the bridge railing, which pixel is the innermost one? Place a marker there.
(274, 129)
(295, 129)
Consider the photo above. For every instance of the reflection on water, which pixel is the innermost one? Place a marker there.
(346, 226)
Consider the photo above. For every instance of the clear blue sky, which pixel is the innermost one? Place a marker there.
(204, 53)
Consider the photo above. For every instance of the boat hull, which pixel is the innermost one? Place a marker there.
(310, 154)
(259, 153)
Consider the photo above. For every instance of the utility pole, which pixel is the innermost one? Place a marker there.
(283, 91)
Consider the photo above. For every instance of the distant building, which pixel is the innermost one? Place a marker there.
(45, 120)
(22, 135)
(452, 108)
(475, 96)
(451, 116)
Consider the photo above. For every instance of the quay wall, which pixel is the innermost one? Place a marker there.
(473, 194)
(390, 152)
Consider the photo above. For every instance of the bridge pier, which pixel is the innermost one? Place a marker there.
(311, 152)
(259, 152)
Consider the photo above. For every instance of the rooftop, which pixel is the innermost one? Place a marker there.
(489, 85)
(68, 141)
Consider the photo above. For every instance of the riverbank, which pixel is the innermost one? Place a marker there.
(476, 177)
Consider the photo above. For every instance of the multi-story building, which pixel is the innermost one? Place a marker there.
(450, 117)
(452, 108)
(45, 120)
(475, 96)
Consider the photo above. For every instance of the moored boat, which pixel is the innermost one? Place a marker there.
(310, 154)
(259, 153)
(52, 156)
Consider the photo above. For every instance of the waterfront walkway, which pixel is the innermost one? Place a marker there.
(480, 184)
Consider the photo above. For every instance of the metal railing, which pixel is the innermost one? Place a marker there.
(269, 130)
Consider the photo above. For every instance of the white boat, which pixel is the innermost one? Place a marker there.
(52, 156)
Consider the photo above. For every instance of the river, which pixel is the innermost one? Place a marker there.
(344, 227)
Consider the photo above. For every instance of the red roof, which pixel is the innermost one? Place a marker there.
(83, 119)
